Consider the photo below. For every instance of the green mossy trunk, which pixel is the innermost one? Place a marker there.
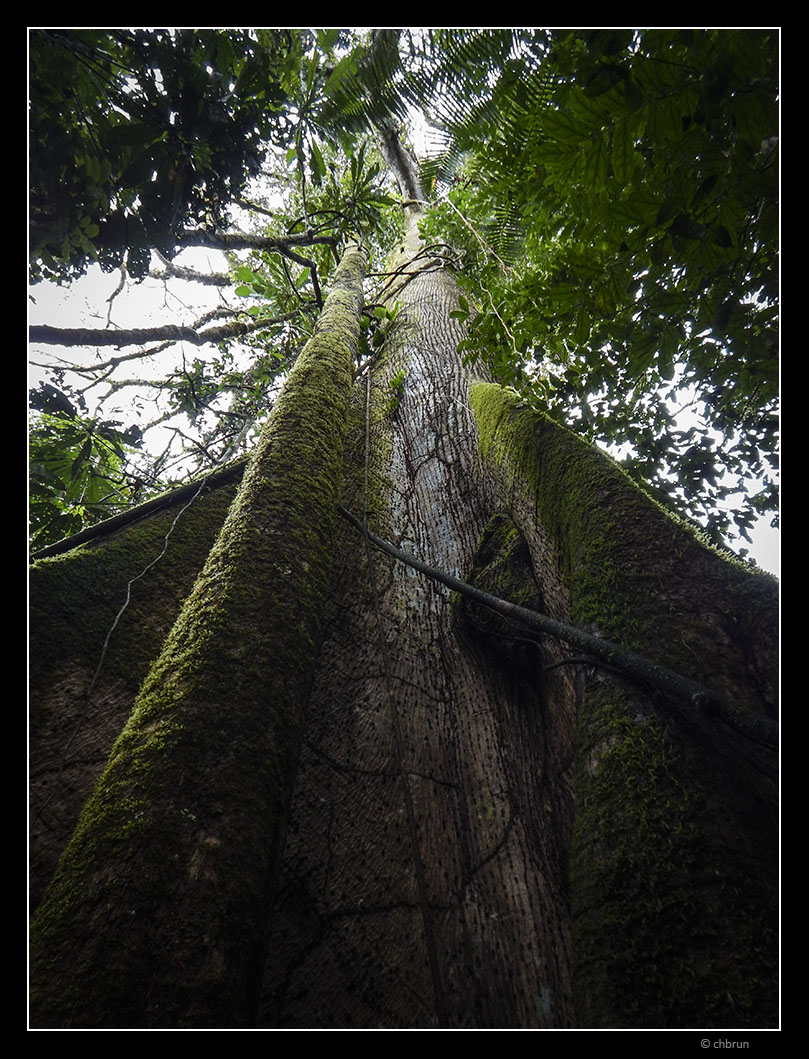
(423, 883)
(78, 708)
(156, 914)
(674, 856)
(481, 832)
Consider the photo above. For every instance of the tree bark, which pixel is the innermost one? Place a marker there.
(156, 914)
(674, 848)
(92, 336)
(424, 879)
(480, 832)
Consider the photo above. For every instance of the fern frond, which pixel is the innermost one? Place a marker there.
(505, 234)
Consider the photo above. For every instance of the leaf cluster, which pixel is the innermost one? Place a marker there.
(80, 468)
(625, 257)
(137, 135)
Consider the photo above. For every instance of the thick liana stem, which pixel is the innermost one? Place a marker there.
(156, 915)
(631, 664)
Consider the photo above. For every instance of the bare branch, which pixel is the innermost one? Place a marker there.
(245, 204)
(115, 294)
(312, 269)
(213, 279)
(87, 336)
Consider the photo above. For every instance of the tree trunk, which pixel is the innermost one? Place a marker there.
(156, 912)
(485, 830)
(439, 871)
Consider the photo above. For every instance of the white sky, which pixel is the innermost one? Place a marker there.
(154, 302)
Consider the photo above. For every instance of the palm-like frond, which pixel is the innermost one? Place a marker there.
(468, 85)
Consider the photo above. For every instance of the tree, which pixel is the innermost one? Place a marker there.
(346, 797)
(136, 135)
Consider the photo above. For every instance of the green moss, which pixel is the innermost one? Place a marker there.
(75, 598)
(156, 914)
(674, 882)
(627, 562)
(673, 919)
(502, 568)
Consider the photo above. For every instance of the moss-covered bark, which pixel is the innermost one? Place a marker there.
(424, 873)
(674, 882)
(426, 878)
(98, 616)
(156, 914)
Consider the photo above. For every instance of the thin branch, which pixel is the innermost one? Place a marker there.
(220, 240)
(434, 261)
(86, 336)
(245, 204)
(213, 279)
(115, 294)
(312, 269)
(484, 245)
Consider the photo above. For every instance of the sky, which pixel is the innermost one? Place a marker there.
(154, 302)
(151, 303)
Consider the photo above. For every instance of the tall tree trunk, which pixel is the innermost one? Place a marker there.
(486, 830)
(424, 879)
(156, 913)
(458, 777)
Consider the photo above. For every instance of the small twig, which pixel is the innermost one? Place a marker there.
(307, 263)
(116, 292)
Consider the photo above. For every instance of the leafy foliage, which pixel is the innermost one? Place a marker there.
(612, 195)
(137, 135)
(627, 203)
(78, 468)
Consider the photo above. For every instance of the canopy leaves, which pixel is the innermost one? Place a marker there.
(611, 197)
(137, 135)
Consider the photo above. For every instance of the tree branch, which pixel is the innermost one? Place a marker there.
(213, 279)
(312, 271)
(220, 240)
(401, 165)
(87, 336)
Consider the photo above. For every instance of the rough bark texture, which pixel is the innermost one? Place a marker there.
(674, 862)
(483, 831)
(74, 602)
(156, 914)
(424, 878)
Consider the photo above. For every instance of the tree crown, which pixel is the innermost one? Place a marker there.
(609, 197)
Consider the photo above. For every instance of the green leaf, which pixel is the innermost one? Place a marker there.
(622, 153)
(721, 236)
(595, 161)
(318, 165)
(582, 331)
(564, 128)
(84, 454)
